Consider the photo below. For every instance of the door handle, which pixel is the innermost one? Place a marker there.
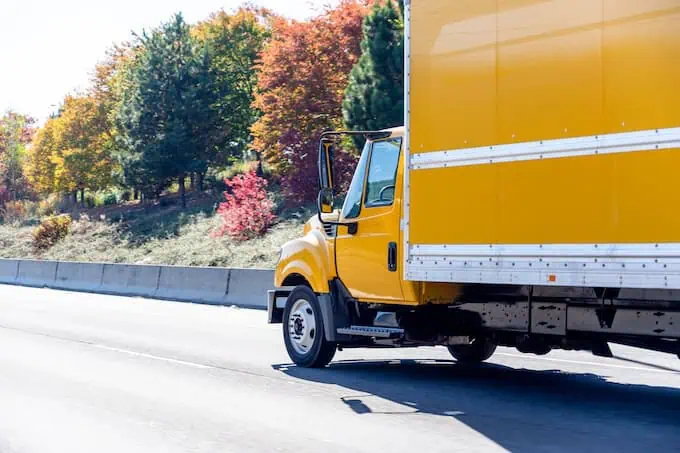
(392, 256)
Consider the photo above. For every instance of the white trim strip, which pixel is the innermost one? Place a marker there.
(652, 266)
(407, 127)
(647, 250)
(649, 140)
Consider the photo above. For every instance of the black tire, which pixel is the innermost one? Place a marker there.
(318, 351)
(478, 351)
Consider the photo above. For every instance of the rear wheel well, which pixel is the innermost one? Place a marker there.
(295, 280)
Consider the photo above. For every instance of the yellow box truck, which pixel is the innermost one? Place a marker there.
(532, 198)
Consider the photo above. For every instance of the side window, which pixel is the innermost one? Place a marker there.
(352, 206)
(382, 173)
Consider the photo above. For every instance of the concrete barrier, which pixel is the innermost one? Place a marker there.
(211, 285)
(79, 276)
(130, 279)
(193, 284)
(8, 271)
(36, 273)
(248, 287)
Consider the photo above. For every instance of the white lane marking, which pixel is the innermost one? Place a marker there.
(580, 362)
(155, 357)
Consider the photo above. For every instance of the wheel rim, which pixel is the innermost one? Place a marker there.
(302, 326)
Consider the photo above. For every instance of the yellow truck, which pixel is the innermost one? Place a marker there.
(531, 200)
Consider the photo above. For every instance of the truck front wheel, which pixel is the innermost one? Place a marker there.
(303, 330)
(476, 352)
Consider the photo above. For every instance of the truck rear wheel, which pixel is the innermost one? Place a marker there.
(476, 352)
(303, 330)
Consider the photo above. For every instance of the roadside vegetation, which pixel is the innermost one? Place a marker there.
(156, 233)
(195, 144)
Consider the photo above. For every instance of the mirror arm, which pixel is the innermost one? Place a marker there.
(352, 227)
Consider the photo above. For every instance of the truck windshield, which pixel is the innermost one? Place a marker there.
(352, 206)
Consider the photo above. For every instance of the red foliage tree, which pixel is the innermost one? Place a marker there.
(247, 211)
(303, 73)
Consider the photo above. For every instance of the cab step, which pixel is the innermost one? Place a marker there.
(370, 331)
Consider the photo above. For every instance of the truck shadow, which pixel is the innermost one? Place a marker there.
(519, 409)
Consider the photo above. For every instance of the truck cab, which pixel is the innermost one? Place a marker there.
(343, 277)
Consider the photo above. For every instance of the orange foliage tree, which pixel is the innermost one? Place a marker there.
(303, 74)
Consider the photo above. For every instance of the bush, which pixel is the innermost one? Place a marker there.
(239, 168)
(50, 231)
(125, 196)
(110, 199)
(105, 199)
(54, 204)
(90, 201)
(45, 208)
(247, 211)
(32, 209)
(14, 212)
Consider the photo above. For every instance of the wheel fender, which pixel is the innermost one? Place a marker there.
(309, 258)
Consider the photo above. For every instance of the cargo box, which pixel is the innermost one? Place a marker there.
(543, 142)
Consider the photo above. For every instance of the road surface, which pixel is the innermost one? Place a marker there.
(95, 373)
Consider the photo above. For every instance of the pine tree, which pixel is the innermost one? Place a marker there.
(164, 110)
(374, 98)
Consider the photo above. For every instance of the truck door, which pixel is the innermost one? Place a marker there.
(368, 258)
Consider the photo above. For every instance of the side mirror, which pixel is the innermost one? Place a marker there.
(325, 164)
(325, 201)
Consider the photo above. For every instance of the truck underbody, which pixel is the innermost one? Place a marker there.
(532, 319)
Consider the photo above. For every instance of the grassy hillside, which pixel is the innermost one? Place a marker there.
(156, 234)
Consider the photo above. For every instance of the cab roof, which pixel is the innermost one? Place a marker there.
(398, 131)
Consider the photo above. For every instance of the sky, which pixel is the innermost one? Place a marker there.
(48, 48)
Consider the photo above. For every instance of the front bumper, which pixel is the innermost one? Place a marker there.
(275, 314)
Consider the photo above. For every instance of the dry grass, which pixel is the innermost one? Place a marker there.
(158, 235)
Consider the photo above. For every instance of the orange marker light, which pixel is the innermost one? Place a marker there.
(552, 278)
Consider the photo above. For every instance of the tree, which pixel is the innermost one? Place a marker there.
(234, 43)
(16, 132)
(302, 78)
(374, 98)
(82, 150)
(39, 166)
(111, 78)
(164, 109)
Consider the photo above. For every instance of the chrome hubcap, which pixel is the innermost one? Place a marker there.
(302, 326)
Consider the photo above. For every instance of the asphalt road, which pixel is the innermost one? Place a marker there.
(94, 373)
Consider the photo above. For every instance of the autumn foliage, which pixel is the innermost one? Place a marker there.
(247, 211)
(302, 78)
(50, 231)
(188, 102)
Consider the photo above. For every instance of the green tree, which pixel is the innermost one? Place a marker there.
(164, 109)
(374, 98)
(234, 42)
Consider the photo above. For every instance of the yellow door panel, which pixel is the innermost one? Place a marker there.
(362, 258)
